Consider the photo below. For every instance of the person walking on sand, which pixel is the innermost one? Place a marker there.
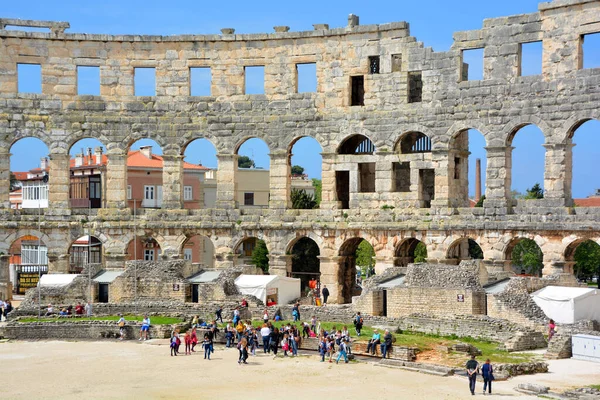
(88, 309)
(187, 339)
(487, 372)
(173, 345)
(121, 325)
(472, 366)
(243, 349)
(194, 336)
(145, 328)
(342, 351)
(551, 329)
(208, 345)
(325, 293)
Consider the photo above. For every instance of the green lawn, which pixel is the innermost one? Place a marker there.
(595, 387)
(153, 320)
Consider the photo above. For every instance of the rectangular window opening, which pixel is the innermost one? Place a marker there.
(248, 199)
(426, 187)
(128, 192)
(472, 64)
(144, 81)
(530, 62)
(396, 62)
(188, 193)
(307, 77)
(457, 167)
(590, 50)
(366, 173)
(88, 80)
(374, 64)
(415, 87)
(254, 80)
(401, 176)
(29, 78)
(358, 90)
(200, 81)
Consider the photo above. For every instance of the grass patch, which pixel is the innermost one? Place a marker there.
(597, 387)
(137, 318)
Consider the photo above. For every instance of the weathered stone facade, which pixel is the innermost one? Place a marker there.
(415, 94)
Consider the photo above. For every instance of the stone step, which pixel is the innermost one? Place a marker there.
(432, 369)
(423, 371)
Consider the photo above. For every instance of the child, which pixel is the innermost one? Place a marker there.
(322, 348)
(229, 337)
(207, 345)
(194, 339)
(313, 324)
(285, 344)
(330, 348)
(121, 324)
(342, 352)
(187, 339)
(243, 349)
(173, 345)
(305, 330)
(254, 341)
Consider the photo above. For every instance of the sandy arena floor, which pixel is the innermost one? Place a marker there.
(131, 370)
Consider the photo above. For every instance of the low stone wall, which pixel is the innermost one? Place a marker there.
(440, 302)
(561, 345)
(527, 368)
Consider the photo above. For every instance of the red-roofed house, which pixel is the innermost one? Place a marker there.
(591, 201)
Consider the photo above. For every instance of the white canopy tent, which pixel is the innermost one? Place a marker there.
(279, 288)
(57, 280)
(568, 304)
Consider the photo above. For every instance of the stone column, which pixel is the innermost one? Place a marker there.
(58, 263)
(280, 180)
(226, 180)
(116, 180)
(4, 177)
(115, 260)
(383, 262)
(172, 184)
(223, 260)
(553, 267)
(497, 180)
(328, 194)
(330, 276)
(441, 197)
(280, 264)
(58, 183)
(558, 173)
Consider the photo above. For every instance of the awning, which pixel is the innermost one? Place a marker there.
(392, 283)
(57, 280)
(107, 276)
(204, 277)
(496, 287)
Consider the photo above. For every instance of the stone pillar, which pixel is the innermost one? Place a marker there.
(330, 276)
(383, 262)
(280, 180)
(553, 267)
(383, 173)
(558, 174)
(328, 194)
(442, 166)
(58, 263)
(116, 180)
(226, 180)
(280, 264)
(59, 181)
(172, 184)
(4, 178)
(115, 260)
(224, 260)
(497, 180)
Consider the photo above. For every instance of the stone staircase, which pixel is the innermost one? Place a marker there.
(430, 369)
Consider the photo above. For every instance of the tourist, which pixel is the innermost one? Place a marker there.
(69, 309)
(2, 306)
(240, 330)
(7, 309)
(49, 310)
(487, 372)
(285, 344)
(121, 325)
(266, 316)
(194, 339)
(173, 345)
(296, 312)
(294, 338)
(375, 340)
(305, 330)
(325, 292)
(195, 320)
(342, 351)
(145, 328)
(79, 308)
(236, 316)
(322, 348)
(252, 340)
(271, 302)
(187, 339)
(88, 309)
(219, 315)
(551, 329)
(207, 345)
(386, 346)
(313, 324)
(358, 323)
(265, 333)
(330, 348)
(243, 349)
(229, 336)
(244, 303)
(472, 365)
(63, 312)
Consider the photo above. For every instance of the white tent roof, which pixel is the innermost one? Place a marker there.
(107, 276)
(287, 289)
(568, 304)
(57, 279)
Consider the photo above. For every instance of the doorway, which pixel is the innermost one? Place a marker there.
(194, 293)
(103, 293)
(342, 184)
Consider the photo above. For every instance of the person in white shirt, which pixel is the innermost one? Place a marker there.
(88, 309)
(145, 327)
(265, 332)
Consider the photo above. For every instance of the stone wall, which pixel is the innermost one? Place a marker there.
(465, 275)
(439, 302)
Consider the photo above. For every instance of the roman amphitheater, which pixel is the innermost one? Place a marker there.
(390, 114)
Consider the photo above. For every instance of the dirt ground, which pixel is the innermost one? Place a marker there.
(132, 369)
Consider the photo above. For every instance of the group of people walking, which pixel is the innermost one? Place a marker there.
(487, 373)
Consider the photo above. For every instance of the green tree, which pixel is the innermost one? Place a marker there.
(302, 200)
(420, 253)
(245, 162)
(587, 260)
(305, 255)
(364, 257)
(297, 170)
(528, 256)
(480, 201)
(318, 185)
(260, 256)
(535, 192)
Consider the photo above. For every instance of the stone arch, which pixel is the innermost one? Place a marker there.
(317, 137)
(356, 144)
(145, 242)
(293, 238)
(268, 141)
(202, 253)
(510, 246)
(305, 262)
(413, 142)
(81, 135)
(42, 135)
(10, 239)
(511, 129)
(463, 249)
(163, 141)
(346, 276)
(79, 255)
(568, 128)
(571, 247)
(404, 251)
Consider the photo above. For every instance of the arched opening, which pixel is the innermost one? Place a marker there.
(145, 175)
(28, 259)
(354, 258)
(527, 163)
(465, 249)
(252, 179)
(582, 259)
(144, 248)
(243, 251)
(467, 165)
(585, 184)
(361, 148)
(29, 174)
(305, 162)
(414, 173)
(409, 251)
(414, 142)
(200, 183)
(305, 261)
(357, 144)
(524, 256)
(87, 171)
(199, 250)
(84, 251)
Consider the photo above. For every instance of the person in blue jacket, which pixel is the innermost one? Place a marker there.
(487, 372)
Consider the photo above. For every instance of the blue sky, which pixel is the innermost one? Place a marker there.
(432, 22)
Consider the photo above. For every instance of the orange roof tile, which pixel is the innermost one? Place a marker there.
(136, 159)
(587, 202)
(20, 175)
